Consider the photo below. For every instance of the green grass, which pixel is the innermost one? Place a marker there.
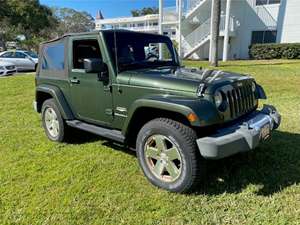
(94, 182)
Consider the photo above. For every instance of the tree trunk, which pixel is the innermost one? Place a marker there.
(2, 42)
(216, 10)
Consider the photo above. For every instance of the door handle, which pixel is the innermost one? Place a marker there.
(75, 81)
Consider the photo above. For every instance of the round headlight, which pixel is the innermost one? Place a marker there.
(253, 86)
(218, 99)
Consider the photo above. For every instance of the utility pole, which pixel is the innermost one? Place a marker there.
(226, 34)
(179, 28)
(160, 23)
(215, 31)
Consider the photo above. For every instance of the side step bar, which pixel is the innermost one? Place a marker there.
(104, 132)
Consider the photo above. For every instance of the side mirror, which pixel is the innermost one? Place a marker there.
(95, 65)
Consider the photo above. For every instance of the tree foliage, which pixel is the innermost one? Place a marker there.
(144, 11)
(32, 16)
(72, 21)
(28, 18)
(38, 22)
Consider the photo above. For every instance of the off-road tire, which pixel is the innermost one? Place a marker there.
(193, 165)
(51, 104)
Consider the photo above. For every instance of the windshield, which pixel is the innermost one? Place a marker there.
(140, 50)
(31, 54)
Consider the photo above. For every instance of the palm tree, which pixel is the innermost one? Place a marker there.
(216, 10)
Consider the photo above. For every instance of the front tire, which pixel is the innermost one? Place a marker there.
(52, 120)
(168, 155)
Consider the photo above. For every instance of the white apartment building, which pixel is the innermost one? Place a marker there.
(148, 23)
(243, 22)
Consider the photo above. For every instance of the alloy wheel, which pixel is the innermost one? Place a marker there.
(163, 158)
(51, 122)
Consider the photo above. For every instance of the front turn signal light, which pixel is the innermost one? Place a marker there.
(192, 117)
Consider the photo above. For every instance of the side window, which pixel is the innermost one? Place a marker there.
(53, 57)
(84, 49)
(20, 55)
(7, 55)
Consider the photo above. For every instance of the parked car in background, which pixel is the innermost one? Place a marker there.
(7, 69)
(23, 60)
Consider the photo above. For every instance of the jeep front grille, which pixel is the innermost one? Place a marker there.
(241, 100)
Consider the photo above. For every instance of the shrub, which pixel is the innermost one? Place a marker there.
(275, 51)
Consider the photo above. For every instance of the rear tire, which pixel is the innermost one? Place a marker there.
(53, 123)
(168, 155)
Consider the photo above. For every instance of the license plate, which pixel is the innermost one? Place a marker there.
(265, 132)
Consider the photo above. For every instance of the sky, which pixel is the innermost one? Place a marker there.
(109, 8)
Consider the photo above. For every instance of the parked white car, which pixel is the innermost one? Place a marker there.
(7, 69)
(23, 60)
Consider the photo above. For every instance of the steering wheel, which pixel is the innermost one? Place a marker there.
(151, 55)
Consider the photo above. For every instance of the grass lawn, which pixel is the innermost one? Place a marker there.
(94, 182)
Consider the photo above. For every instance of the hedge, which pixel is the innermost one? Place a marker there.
(275, 51)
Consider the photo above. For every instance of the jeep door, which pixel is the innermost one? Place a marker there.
(91, 98)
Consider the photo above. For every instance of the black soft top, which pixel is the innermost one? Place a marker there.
(96, 32)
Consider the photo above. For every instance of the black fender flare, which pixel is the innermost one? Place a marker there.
(205, 111)
(58, 96)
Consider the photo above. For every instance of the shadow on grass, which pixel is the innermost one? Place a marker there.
(81, 137)
(271, 168)
(119, 147)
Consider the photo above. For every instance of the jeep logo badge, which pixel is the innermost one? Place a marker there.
(239, 84)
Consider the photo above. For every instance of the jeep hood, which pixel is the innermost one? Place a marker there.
(183, 79)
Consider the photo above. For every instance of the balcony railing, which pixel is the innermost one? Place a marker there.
(203, 31)
(142, 28)
(192, 4)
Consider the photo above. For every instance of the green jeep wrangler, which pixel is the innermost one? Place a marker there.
(131, 88)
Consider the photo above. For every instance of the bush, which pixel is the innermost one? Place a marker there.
(275, 51)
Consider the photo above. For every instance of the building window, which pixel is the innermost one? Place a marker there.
(261, 37)
(267, 2)
(173, 32)
(140, 25)
(165, 33)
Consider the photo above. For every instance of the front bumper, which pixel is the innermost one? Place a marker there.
(7, 72)
(242, 136)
